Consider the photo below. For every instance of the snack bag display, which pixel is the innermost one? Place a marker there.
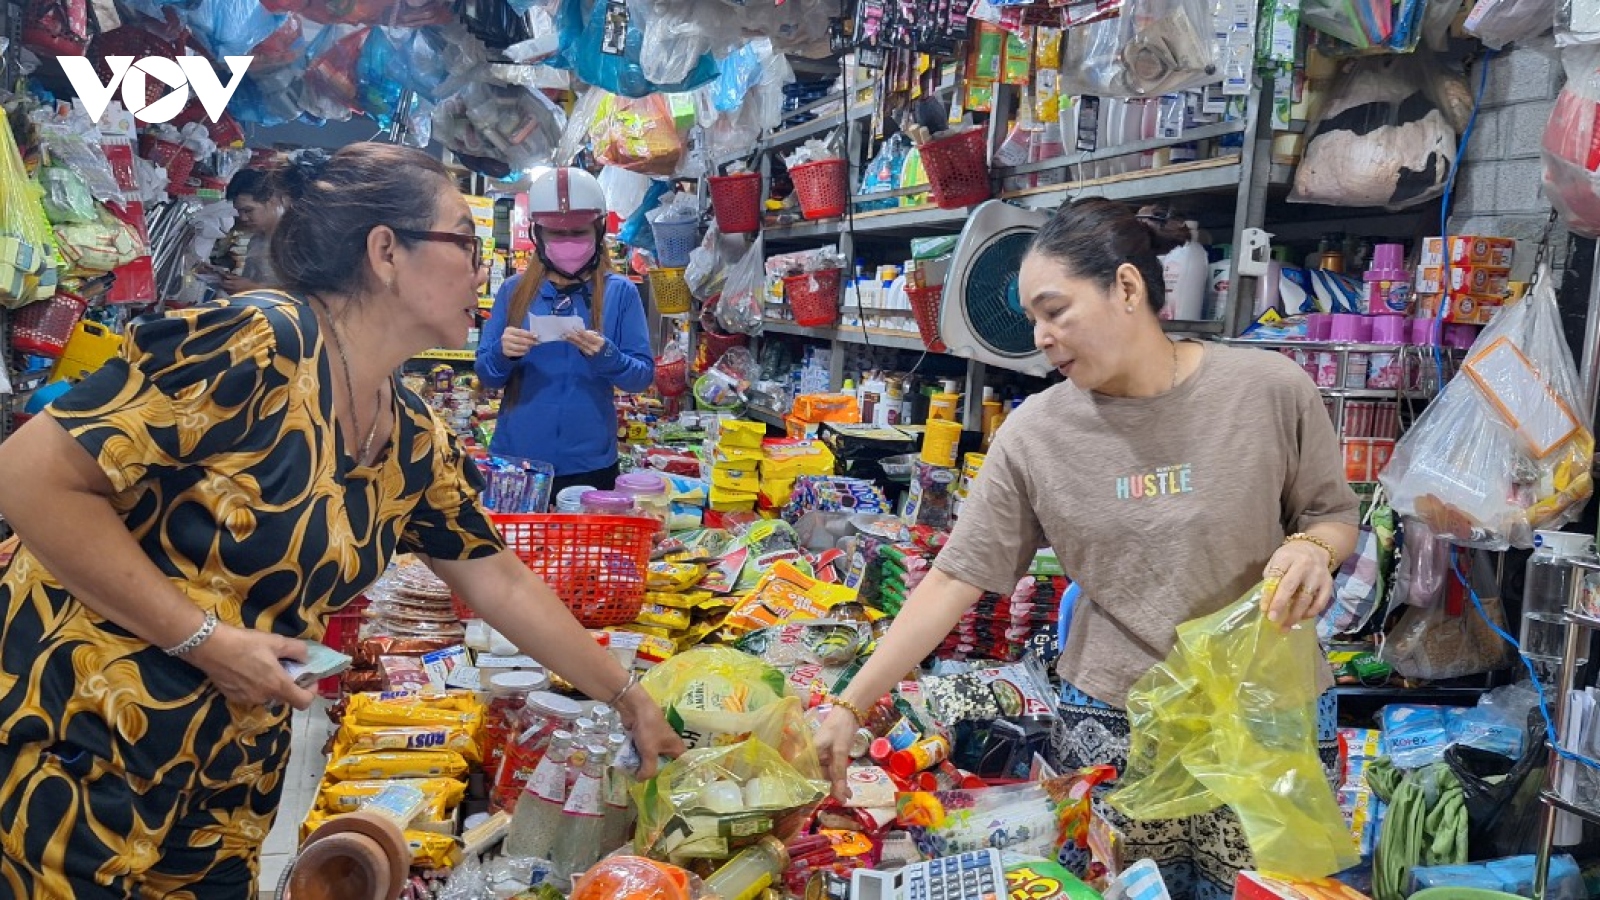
(784, 594)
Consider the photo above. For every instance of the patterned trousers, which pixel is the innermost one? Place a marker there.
(1198, 856)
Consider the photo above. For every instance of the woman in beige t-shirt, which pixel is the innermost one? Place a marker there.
(1169, 477)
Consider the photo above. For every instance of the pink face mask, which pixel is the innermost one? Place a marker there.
(569, 255)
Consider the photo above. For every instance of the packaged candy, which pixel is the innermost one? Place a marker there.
(398, 764)
(666, 576)
(443, 795)
(782, 594)
(353, 738)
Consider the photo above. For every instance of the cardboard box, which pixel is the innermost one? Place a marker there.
(1365, 458)
(1470, 250)
(1463, 309)
(1481, 280)
(1256, 886)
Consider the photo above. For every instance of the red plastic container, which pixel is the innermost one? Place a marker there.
(595, 564)
(177, 159)
(736, 200)
(814, 297)
(44, 326)
(712, 346)
(925, 302)
(958, 169)
(344, 635)
(821, 187)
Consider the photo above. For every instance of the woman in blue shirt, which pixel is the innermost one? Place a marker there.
(559, 404)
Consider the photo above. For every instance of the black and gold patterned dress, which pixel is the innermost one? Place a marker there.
(124, 773)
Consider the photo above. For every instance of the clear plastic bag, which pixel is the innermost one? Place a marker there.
(1154, 47)
(674, 40)
(1432, 643)
(639, 135)
(1503, 451)
(708, 266)
(73, 142)
(510, 125)
(1424, 567)
(1501, 22)
(604, 48)
(1569, 162)
(330, 85)
(66, 195)
(696, 801)
(1230, 717)
(1385, 137)
(1362, 24)
(742, 307)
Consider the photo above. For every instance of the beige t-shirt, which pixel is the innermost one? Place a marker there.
(1163, 509)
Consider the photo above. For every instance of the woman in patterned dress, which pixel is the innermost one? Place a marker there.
(194, 509)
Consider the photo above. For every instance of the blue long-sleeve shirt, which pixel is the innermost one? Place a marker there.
(563, 409)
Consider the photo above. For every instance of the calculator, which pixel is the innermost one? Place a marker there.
(977, 875)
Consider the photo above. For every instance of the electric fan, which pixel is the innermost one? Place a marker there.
(981, 316)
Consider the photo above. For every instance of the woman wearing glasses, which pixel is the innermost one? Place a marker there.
(559, 404)
(195, 510)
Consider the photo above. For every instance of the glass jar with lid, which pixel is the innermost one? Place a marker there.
(607, 503)
(508, 693)
(542, 714)
(649, 493)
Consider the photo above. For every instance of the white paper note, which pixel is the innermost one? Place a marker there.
(553, 328)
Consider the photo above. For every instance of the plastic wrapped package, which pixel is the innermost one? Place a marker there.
(401, 14)
(716, 696)
(231, 27)
(1569, 149)
(1361, 24)
(330, 87)
(539, 19)
(27, 271)
(1577, 22)
(66, 195)
(634, 878)
(1501, 22)
(283, 47)
(639, 135)
(1502, 452)
(510, 125)
(1154, 47)
(742, 307)
(1230, 717)
(99, 245)
(73, 142)
(1385, 137)
(698, 800)
(675, 39)
(604, 49)
(707, 265)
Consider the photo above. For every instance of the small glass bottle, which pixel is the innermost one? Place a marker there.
(748, 874)
(577, 847)
(537, 820)
(530, 730)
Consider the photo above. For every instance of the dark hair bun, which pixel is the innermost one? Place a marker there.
(300, 169)
(1167, 231)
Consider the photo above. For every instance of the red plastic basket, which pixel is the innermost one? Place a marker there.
(736, 200)
(958, 169)
(814, 306)
(925, 303)
(595, 564)
(177, 159)
(713, 345)
(672, 377)
(821, 188)
(44, 326)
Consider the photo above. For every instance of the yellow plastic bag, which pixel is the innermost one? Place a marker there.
(716, 696)
(708, 802)
(1231, 718)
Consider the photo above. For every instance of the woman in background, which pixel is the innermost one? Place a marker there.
(560, 400)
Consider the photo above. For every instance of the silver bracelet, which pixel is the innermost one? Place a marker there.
(196, 639)
(633, 682)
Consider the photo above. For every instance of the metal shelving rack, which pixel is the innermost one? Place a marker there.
(1247, 176)
(1579, 627)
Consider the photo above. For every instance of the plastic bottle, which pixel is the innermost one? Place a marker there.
(752, 871)
(619, 811)
(1185, 271)
(537, 820)
(577, 847)
(1217, 275)
(1547, 588)
(921, 755)
(1388, 282)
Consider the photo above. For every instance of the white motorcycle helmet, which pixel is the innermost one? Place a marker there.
(566, 198)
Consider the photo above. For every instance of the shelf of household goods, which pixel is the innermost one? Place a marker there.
(852, 334)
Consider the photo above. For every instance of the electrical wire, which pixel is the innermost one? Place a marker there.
(1551, 737)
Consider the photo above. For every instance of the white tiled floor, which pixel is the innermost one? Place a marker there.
(306, 762)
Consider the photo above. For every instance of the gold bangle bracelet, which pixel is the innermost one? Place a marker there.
(1333, 564)
(851, 708)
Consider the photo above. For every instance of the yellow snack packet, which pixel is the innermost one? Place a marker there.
(356, 738)
(784, 593)
(397, 764)
(666, 576)
(432, 851)
(658, 616)
(442, 709)
(444, 794)
(676, 600)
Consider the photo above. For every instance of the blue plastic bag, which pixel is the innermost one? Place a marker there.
(601, 40)
(232, 27)
(635, 232)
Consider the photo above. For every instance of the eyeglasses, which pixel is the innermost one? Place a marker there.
(470, 241)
